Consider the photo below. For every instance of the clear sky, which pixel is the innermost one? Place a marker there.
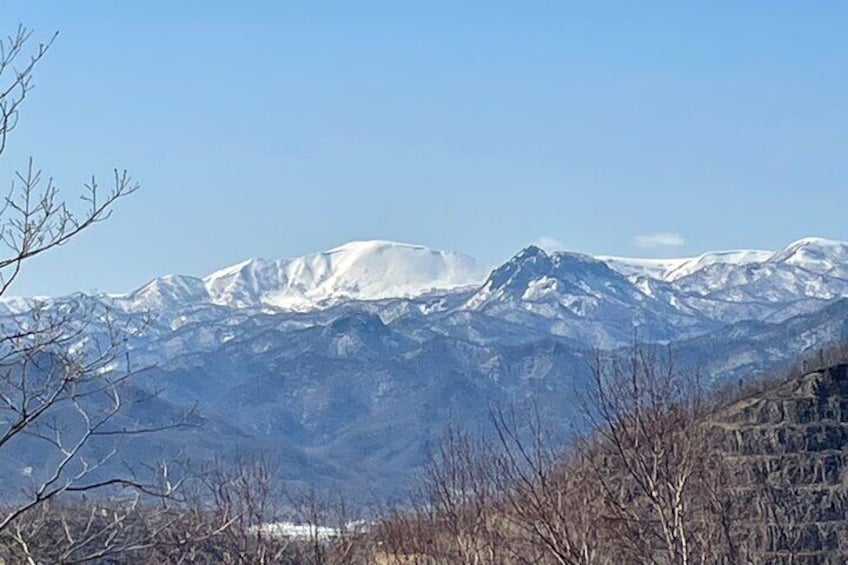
(275, 129)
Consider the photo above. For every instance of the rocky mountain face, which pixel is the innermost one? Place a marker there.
(346, 365)
(787, 447)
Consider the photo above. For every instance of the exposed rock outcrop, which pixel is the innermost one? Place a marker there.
(787, 449)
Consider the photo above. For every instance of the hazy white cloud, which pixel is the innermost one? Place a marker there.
(549, 243)
(654, 240)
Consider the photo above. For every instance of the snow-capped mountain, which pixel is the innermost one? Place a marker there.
(823, 256)
(533, 276)
(813, 254)
(810, 268)
(360, 270)
(596, 300)
(349, 361)
(572, 295)
(747, 284)
(669, 298)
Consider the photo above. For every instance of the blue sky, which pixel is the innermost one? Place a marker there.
(279, 128)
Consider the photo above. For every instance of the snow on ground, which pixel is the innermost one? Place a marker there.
(306, 531)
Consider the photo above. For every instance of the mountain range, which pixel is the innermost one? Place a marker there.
(345, 365)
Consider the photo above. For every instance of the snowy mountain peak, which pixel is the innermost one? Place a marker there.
(529, 263)
(170, 291)
(529, 253)
(359, 270)
(814, 253)
(370, 246)
(821, 242)
(536, 276)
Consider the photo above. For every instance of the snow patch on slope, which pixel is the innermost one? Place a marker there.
(653, 268)
(736, 258)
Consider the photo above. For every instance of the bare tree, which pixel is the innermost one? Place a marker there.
(85, 530)
(64, 370)
(459, 493)
(16, 68)
(452, 516)
(547, 493)
(218, 518)
(652, 453)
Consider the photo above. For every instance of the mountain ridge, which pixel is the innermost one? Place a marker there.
(380, 269)
(358, 381)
